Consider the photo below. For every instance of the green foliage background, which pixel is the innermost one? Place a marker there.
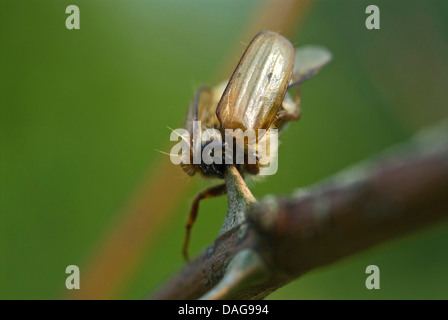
(81, 113)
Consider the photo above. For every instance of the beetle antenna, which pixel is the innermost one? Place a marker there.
(183, 138)
(168, 154)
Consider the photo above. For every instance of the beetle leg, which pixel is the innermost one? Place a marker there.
(208, 193)
(287, 115)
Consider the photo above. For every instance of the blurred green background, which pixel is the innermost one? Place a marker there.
(81, 113)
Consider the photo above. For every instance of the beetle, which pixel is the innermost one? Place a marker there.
(256, 97)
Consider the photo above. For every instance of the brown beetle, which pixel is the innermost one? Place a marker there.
(254, 98)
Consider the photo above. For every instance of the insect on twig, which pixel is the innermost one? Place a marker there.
(255, 98)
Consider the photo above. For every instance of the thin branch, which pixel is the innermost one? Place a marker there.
(282, 238)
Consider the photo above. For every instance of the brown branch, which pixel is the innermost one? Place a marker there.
(282, 238)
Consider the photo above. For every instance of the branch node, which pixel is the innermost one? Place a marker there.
(267, 218)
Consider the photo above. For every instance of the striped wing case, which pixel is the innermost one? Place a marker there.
(258, 85)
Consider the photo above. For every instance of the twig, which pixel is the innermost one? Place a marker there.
(281, 238)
